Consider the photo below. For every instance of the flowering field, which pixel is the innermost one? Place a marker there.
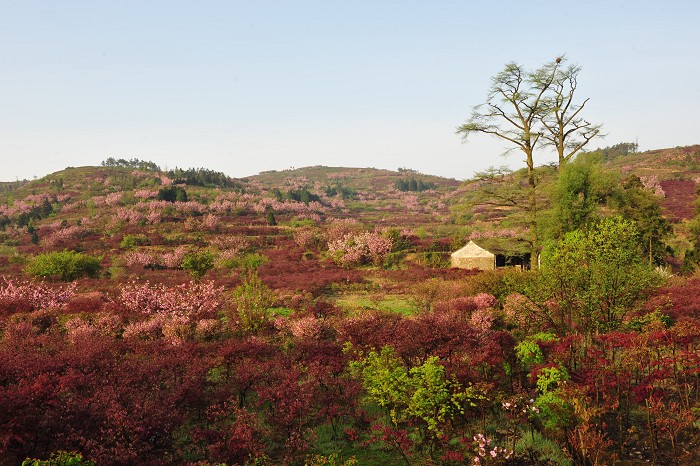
(311, 317)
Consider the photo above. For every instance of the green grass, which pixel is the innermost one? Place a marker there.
(358, 302)
(6, 250)
(280, 311)
(366, 456)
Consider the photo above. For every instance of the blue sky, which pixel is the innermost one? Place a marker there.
(246, 86)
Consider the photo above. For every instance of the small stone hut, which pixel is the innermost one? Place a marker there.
(492, 255)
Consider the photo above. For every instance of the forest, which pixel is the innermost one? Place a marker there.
(311, 316)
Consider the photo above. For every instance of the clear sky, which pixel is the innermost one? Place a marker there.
(247, 86)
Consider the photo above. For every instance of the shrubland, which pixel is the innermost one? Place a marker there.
(139, 330)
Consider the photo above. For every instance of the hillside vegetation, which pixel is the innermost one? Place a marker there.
(310, 316)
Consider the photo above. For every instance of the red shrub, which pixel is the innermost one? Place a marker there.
(677, 300)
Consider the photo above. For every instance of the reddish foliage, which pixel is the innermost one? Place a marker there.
(463, 305)
(677, 300)
(287, 271)
(233, 436)
(86, 302)
(679, 201)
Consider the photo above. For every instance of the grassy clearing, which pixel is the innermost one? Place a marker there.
(359, 302)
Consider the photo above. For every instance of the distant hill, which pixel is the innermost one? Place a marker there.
(672, 173)
(374, 196)
(361, 179)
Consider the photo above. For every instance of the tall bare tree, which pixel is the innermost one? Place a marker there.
(563, 127)
(512, 111)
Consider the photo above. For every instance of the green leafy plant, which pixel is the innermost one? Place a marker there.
(246, 262)
(529, 352)
(555, 410)
(198, 263)
(64, 265)
(60, 458)
(131, 241)
(595, 276)
(252, 301)
(421, 395)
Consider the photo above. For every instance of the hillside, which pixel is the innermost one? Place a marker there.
(310, 317)
(439, 210)
(119, 215)
(673, 174)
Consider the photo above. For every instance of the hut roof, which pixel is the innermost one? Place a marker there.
(491, 246)
(472, 250)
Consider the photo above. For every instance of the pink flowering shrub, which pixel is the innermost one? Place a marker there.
(75, 206)
(193, 300)
(192, 224)
(519, 408)
(65, 235)
(653, 184)
(177, 330)
(24, 296)
(79, 328)
(482, 319)
(154, 216)
(304, 328)
(129, 215)
(189, 207)
(173, 259)
(207, 329)
(140, 259)
(102, 324)
(145, 194)
(410, 202)
(111, 199)
(487, 453)
(150, 329)
(210, 222)
(34, 205)
(339, 228)
(359, 249)
(307, 238)
(236, 244)
(154, 259)
(485, 300)
(176, 314)
(520, 311)
(164, 180)
(463, 305)
(311, 216)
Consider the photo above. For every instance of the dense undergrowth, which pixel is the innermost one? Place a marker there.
(139, 330)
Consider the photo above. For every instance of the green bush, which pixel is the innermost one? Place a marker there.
(64, 265)
(131, 241)
(198, 263)
(61, 458)
(246, 262)
(172, 194)
(253, 300)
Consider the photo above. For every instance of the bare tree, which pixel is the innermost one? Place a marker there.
(513, 109)
(563, 126)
